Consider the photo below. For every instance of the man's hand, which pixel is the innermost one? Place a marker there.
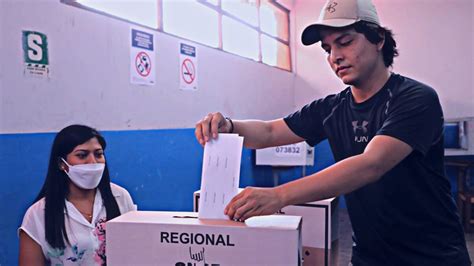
(208, 127)
(253, 202)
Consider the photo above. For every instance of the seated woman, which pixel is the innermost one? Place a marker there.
(66, 224)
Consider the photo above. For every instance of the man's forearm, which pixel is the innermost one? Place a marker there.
(263, 134)
(338, 179)
(381, 154)
(256, 133)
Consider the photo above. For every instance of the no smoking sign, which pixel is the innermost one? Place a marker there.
(188, 71)
(188, 67)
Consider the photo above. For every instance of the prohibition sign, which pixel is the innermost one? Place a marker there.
(143, 64)
(188, 71)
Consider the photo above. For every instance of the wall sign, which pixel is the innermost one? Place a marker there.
(35, 54)
(188, 67)
(142, 58)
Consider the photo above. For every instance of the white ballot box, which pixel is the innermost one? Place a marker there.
(181, 239)
(319, 231)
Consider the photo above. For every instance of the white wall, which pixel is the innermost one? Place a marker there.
(89, 60)
(436, 44)
(89, 82)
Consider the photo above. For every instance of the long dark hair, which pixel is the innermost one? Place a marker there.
(375, 34)
(56, 188)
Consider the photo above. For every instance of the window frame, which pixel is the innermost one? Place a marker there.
(221, 12)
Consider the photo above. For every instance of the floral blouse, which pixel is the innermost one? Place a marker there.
(87, 239)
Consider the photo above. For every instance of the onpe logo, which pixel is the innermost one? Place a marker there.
(197, 258)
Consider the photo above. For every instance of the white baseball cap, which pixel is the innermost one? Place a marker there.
(340, 13)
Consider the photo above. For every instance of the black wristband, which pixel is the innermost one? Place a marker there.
(231, 124)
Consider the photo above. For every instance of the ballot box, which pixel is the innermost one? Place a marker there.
(181, 239)
(319, 232)
(320, 238)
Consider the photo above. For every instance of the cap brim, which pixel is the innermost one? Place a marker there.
(311, 34)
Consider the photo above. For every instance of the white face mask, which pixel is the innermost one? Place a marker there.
(86, 176)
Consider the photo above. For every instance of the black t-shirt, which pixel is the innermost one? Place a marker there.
(408, 216)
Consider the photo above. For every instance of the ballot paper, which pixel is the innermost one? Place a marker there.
(220, 175)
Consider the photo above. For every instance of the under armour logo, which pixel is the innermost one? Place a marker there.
(331, 8)
(360, 125)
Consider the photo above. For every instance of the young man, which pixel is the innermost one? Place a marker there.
(386, 134)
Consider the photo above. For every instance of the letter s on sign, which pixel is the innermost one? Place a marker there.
(35, 53)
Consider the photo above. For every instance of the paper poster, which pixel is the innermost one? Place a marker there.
(35, 54)
(142, 58)
(188, 67)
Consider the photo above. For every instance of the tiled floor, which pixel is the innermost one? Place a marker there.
(345, 240)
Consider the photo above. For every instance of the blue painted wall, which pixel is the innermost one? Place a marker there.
(160, 168)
